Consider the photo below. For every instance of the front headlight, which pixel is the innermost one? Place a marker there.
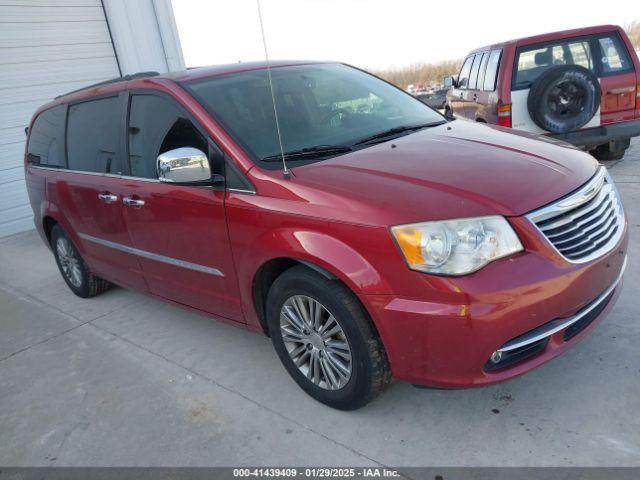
(456, 247)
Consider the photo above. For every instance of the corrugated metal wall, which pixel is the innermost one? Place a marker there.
(47, 47)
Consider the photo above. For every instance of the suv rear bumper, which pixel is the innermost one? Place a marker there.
(592, 137)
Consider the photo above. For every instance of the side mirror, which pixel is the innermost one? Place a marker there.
(183, 165)
(449, 81)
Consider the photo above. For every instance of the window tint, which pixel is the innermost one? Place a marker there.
(475, 68)
(156, 125)
(92, 136)
(492, 71)
(463, 77)
(46, 138)
(533, 61)
(614, 55)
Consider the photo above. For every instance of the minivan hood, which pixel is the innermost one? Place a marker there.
(459, 169)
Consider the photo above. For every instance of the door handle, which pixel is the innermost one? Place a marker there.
(133, 202)
(107, 197)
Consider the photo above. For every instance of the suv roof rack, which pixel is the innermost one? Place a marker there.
(124, 78)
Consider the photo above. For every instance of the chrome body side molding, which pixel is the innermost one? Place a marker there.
(152, 256)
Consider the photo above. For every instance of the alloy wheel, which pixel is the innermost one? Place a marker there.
(69, 262)
(315, 342)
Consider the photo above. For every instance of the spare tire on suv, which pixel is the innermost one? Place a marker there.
(564, 98)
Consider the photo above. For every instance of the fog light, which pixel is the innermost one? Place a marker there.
(496, 357)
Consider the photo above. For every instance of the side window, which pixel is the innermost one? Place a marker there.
(475, 68)
(492, 71)
(156, 126)
(46, 138)
(614, 56)
(92, 136)
(463, 76)
(482, 71)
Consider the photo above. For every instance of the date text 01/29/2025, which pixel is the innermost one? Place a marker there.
(315, 472)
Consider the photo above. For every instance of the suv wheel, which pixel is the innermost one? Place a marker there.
(73, 268)
(613, 150)
(325, 339)
(564, 98)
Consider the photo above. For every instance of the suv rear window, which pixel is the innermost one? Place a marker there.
(92, 136)
(533, 60)
(614, 58)
(46, 138)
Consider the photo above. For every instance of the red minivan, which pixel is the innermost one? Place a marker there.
(580, 86)
(367, 236)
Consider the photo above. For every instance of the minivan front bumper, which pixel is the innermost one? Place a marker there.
(527, 307)
(592, 137)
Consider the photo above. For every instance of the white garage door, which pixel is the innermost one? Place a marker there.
(47, 47)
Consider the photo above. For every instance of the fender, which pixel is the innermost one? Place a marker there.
(315, 249)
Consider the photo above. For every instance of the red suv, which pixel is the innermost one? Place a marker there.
(393, 243)
(581, 86)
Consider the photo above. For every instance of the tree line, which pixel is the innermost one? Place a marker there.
(430, 73)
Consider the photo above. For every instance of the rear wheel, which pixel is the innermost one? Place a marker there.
(325, 340)
(73, 268)
(613, 150)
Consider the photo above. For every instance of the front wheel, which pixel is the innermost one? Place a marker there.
(325, 340)
(73, 268)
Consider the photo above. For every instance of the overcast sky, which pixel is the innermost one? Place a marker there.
(374, 33)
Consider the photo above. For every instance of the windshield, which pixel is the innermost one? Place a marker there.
(318, 105)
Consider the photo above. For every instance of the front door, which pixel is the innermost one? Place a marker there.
(458, 94)
(179, 231)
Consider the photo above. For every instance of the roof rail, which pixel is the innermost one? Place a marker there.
(124, 78)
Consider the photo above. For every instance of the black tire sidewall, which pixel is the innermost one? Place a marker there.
(84, 289)
(541, 87)
(358, 390)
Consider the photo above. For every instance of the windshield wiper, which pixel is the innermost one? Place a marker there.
(309, 152)
(396, 131)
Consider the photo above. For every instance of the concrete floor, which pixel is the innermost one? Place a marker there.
(123, 379)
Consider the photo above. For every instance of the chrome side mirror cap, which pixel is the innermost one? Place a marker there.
(183, 165)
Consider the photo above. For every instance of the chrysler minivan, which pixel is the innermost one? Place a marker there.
(370, 238)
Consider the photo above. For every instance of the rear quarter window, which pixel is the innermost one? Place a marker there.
(46, 146)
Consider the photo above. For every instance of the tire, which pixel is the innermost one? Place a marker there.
(613, 150)
(73, 268)
(369, 368)
(564, 98)
(448, 114)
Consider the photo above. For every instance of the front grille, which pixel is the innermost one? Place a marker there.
(587, 223)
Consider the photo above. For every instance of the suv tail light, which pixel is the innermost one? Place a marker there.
(504, 115)
(638, 96)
